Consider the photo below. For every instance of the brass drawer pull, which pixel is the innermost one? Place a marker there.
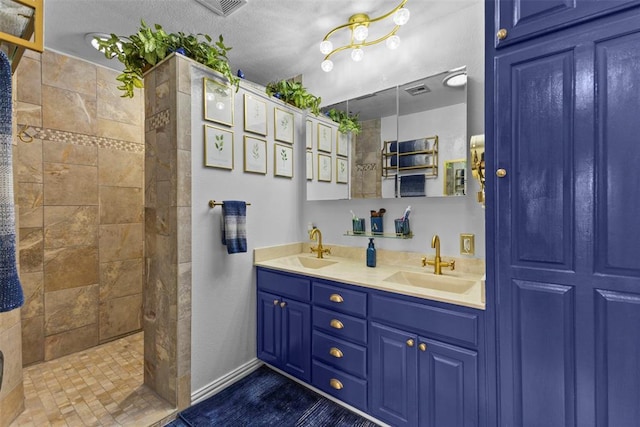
(335, 352)
(335, 384)
(335, 323)
(336, 298)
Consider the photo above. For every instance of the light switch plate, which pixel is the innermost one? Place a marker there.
(467, 244)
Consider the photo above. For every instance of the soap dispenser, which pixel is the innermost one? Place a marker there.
(371, 254)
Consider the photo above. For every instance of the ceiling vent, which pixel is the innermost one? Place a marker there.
(222, 7)
(417, 90)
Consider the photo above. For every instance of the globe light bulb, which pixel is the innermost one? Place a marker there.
(210, 96)
(327, 65)
(326, 46)
(360, 33)
(401, 16)
(357, 54)
(220, 105)
(393, 42)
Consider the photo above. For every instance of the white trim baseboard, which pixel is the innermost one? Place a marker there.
(225, 381)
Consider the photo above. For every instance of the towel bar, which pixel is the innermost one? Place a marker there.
(213, 204)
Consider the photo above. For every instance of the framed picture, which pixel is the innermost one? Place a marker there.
(324, 168)
(255, 155)
(342, 144)
(218, 147)
(283, 160)
(283, 123)
(309, 134)
(255, 115)
(342, 171)
(325, 140)
(309, 166)
(218, 102)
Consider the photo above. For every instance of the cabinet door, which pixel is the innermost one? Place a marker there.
(296, 339)
(448, 386)
(523, 19)
(393, 375)
(269, 328)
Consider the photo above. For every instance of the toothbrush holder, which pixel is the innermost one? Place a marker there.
(358, 225)
(402, 227)
(376, 225)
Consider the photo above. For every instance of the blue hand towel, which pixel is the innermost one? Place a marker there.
(412, 185)
(234, 226)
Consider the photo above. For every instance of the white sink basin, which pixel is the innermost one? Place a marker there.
(307, 262)
(450, 284)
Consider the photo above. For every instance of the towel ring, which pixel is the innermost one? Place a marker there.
(23, 132)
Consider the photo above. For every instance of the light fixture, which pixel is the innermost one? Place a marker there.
(359, 27)
(91, 39)
(455, 79)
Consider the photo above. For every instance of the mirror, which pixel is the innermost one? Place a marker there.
(413, 141)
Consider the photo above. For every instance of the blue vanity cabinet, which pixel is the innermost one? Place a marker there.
(563, 290)
(284, 322)
(523, 19)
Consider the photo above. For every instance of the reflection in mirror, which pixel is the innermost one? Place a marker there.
(477, 163)
(410, 135)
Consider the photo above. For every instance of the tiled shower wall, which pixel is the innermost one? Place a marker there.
(79, 187)
(366, 180)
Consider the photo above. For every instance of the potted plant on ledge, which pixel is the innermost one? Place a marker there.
(346, 122)
(144, 49)
(295, 94)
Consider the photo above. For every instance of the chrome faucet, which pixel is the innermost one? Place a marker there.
(320, 250)
(437, 261)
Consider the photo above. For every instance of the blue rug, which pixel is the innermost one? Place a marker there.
(266, 398)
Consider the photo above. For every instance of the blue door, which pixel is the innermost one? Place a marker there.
(566, 129)
(269, 328)
(296, 339)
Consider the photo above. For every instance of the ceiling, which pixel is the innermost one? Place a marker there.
(270, 39)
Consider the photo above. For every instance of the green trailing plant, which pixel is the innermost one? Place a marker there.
(346, 122)
(144, 49)
(295, 94)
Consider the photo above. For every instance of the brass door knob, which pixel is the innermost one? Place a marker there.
(410, 342)
(283, 304)
(336, 298)
(422, 347)
(335, 323)
(335, 352)
(501, 173)
(276, 302)
(502, 34)
(334, 383)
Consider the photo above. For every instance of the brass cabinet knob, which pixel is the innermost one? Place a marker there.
(335, 384)
(335, 323)
(276, 302)
(410, 342)
(283, 304)
(335, 352)
(422, 347)
(336, 298)
(501, 173)
(502, 34)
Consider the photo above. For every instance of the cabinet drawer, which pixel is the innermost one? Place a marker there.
(458, 326)
(345, 387)
(284, 285)
(340, 299)
(340, 325)
(340, 354)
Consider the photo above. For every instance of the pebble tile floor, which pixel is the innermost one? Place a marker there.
(102, 386)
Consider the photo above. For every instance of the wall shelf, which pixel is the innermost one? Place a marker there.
(384, 235)
(423, 151)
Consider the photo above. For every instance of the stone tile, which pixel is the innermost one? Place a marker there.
(120, 131)
(162, 96)
(184, 234)
(149, 94)
(12, 404)
(184, 122)
(11, 345)
(58, 275)
(69, 111)
(120, 205)
(111, 105)
(29, 198)
(28, 114)
(60, 152)
(120, 242)
(120, 278)
(32, 340)
(27, 160)
(121, 168)
(31, 250)
(28, 81)
(65, 72)
(33, 289)
(69, 309)
(8, 319)
(65, 343)
(70, 226)
(120, 316)
(184, 76)
(184, 178)
(165, 151)
(70, 184)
